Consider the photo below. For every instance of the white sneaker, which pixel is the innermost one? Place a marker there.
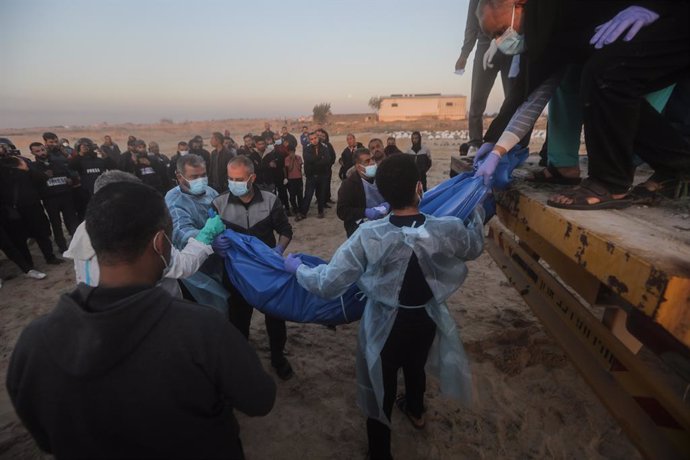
(35, 274)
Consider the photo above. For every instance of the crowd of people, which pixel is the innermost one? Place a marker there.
(253, 189)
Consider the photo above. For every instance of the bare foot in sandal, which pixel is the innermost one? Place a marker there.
(589, 195)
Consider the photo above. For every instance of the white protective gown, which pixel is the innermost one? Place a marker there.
(376, 257)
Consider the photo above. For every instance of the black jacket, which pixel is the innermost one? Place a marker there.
(263, 216)
(347, 160)
(19, 188)
(317, 160)
(89, 167)
(273, 175)
(55, 177)
(135, 373)
(352, 202)
(218, 172)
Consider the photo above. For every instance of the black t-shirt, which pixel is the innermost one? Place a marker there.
(415, 290)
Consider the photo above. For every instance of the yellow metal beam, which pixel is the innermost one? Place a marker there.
(652, 414)
(657, 286)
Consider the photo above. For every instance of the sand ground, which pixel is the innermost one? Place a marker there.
(530, 401)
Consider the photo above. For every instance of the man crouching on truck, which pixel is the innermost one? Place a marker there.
(124, 370)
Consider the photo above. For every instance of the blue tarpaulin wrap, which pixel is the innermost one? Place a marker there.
(259, 273)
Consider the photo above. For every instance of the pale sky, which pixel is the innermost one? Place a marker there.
(88, 61)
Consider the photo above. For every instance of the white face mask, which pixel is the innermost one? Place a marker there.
(370, 171)
(510, 42)
(184, 152)
(238, 188)
(197, 186)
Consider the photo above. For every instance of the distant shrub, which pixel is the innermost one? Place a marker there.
(321, 112)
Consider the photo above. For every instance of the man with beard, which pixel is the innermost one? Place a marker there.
(317, 165)
(89, 166)
(111, 149)
(347, 156)
(55, 190)
(124, 369)
(160, 163)
(126, 161)
(325, 139)
(144, 168)
(246, 149)
(421, 155)
(358, 196)
(196, 146)
(20, 202)
(220, 156)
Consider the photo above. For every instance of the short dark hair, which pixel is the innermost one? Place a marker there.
(48, 135)
(218, 136)
(181, 143)
(248, 135)
(35, 144)
(396, 179)
(191, 159)
(259, 139)
(121, 220)
(358, 153)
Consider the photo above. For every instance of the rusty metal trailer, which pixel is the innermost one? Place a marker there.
(613, 290)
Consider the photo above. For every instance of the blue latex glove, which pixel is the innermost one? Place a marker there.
(488, 167)
(221, 244)
(213, 227)
(633, 18)
(292, 262)
(279, 250)
(483, 151)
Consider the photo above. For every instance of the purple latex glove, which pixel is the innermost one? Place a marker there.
(633, 18)
(487, 168)
(279, 250)
(483, 151)
(373, 213)
(220, 245)
(292, 263)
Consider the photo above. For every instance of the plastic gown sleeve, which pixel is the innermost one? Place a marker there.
(186, 262)
(184, 226)
(470, 244)
(331, 280)
(527, 114)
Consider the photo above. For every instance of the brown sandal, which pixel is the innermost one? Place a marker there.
(555, 177)
(590, 188)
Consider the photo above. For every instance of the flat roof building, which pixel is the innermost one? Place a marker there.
(417, 106)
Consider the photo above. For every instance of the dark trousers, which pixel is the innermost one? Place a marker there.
(81, 198)
(482, 83)
(241, 311)
(32, 224)
(318, 185)
(328, 189)
(61, 204)
(282, 192)
(12, 253)
(407, 346)
(296, 188)
(618, 121)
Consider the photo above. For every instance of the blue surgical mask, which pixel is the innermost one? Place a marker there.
(238, 188)
(511, 42)
(197, 186)
(370, 171)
